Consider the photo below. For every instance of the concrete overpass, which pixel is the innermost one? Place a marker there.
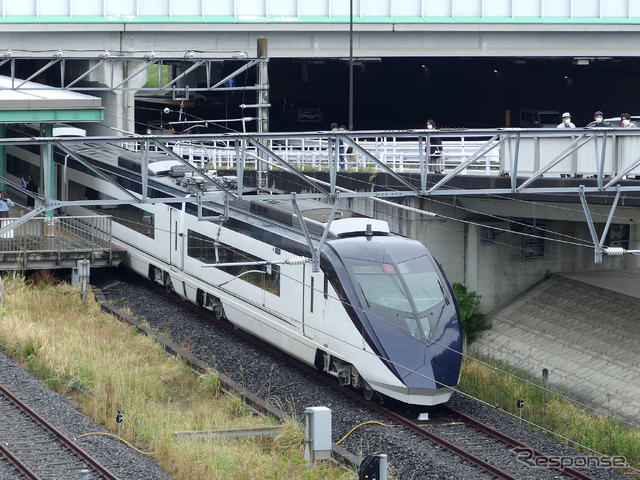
(320, 29)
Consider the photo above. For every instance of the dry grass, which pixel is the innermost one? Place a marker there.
(581, 427)
(105, 367)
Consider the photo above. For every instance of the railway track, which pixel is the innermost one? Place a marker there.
(35, 450)
(486, 448)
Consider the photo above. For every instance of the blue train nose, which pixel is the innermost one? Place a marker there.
(421, 363)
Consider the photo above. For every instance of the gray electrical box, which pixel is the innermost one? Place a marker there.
(80, 276)
(317, 433)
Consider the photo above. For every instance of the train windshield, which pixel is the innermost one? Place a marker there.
(423, 282)
(412, 286)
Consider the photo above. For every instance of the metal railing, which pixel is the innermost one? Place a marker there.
(609, 155)
(399, 154)
(502, 152)
(59, 234)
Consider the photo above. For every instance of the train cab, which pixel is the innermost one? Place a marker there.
(405, 306)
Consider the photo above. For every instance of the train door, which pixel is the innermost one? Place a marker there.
(314, 304)
(176, 237)
(307, 301)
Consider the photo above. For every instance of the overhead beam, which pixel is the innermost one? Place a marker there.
(85, 64)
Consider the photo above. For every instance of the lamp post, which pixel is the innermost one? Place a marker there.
(350, 64)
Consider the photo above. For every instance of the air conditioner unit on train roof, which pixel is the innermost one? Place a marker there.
(358, 226)
(348, 227)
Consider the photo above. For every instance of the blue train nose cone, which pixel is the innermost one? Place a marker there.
(422, 363)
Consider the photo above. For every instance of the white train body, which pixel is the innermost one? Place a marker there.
(335, 318)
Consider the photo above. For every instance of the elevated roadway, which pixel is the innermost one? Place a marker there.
(387, 28)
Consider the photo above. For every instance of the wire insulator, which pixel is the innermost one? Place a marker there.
(298, 260)
(614, 251)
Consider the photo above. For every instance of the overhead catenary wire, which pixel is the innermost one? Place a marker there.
(445, 217)
(510, 220)
(468, 222)
(463, 355)
(576, 242)
(319, 290)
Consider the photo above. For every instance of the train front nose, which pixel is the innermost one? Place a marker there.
(421, 363)
(421, 366)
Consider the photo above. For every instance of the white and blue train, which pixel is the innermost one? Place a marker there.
(379, 314)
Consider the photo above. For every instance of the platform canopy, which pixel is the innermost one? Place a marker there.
(37, 103)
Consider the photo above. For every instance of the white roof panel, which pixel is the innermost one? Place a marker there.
(35, 96)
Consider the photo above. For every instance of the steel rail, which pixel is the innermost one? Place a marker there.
(393, 416)
(15, 461)
(63, 439)
(513, 443)
(437, 440)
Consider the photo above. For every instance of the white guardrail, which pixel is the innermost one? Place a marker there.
(314, 154)
(610, 152)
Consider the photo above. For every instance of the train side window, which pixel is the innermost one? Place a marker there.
(134, 218)
(326, 286)
(205, 249)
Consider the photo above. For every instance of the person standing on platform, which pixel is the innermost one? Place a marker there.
(434, 150)
(566, 121)
(334, 128)
(32, 186)
(598, 118)
(341, 150)
(625, 121)
(5, 205)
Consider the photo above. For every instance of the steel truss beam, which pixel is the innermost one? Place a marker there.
(598, 244)
(267, 149)
(569, 149)
(60, 64)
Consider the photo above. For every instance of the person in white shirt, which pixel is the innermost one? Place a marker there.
(5, 205)
(566, 121)
(625, 121)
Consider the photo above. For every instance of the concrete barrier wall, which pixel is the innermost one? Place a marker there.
(495, 268)
(405, 11)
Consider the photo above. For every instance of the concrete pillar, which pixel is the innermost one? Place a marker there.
(3, 155)
(119, 107)
(471, 254)
(119, 114)
(263, 80)
(46, 156)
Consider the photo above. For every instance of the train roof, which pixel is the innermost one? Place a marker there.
(316, 215)
(346, 223)
(159, 163)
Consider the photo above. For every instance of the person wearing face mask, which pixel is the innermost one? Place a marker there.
(625, 121)
(566, 121)
(434, 150)
(598, 118)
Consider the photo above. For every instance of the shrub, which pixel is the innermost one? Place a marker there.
(472, 319)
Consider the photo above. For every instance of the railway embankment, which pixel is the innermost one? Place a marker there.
(112, 374)
(582, 332)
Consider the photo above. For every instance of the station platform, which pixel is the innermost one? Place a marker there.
(585, 329)
(57, 242)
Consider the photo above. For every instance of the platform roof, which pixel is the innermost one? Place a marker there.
(34, 102)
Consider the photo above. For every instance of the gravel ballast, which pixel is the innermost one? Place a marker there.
(293, 391)
(115, 455)
(408, 456)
